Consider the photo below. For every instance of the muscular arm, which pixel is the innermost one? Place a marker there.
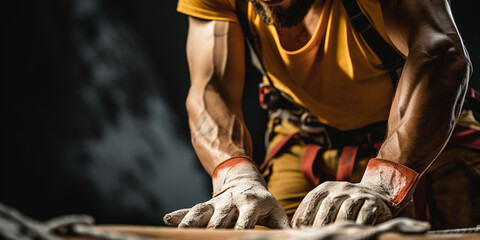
(424, 111)
(432, 85)
(215, 52)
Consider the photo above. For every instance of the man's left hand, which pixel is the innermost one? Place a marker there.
(386, 188)
(340, 201)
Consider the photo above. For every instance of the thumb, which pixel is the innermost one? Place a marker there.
(174, 218)
(278, 219)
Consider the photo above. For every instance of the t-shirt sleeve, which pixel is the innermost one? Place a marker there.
(209, 9)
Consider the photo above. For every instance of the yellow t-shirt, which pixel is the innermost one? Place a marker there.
(336, 74)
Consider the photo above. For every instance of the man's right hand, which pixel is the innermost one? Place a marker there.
(240, 200)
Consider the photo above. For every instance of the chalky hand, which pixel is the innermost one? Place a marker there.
(385, 189)
(240, 200)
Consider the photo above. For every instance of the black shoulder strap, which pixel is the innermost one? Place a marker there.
(242, 14)
(390, 58)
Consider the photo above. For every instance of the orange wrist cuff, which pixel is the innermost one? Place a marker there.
(230, 163)
(397, 180)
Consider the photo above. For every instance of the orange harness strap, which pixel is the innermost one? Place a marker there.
(308, 161)
(346, 163)
(467, 137)
(276, 149)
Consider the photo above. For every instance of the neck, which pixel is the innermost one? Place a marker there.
(295, 37)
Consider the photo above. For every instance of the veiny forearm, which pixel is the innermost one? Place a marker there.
(216, 61)
(217, 133)
(427, 103)
(433, 83)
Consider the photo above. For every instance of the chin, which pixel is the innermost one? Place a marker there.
(282, 13)
(274, 3)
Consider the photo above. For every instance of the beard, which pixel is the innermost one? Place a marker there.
(283, 16)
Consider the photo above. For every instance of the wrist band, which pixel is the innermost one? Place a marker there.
(231, 162)
(396, 180)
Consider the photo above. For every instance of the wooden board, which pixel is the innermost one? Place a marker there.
(221, 234)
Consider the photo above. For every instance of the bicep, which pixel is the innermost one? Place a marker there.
(216, 58)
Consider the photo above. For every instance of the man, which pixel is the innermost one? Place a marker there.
(311, 53)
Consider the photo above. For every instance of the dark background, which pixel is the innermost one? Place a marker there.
(93, 117)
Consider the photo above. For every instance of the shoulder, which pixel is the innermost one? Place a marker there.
(208, 9)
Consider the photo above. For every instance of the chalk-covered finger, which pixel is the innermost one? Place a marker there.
(174, 218)
(328, 211)
(368, 212)
(222, 217)
(383, 214)
(277, 219)
(198, 216)
(349, 209)
(307, 209)
(247, 217)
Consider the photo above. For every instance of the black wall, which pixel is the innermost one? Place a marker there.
(93, 117)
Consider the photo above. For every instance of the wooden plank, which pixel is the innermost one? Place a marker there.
(217, 234)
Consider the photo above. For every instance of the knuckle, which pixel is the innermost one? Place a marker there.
(345, 185)
(199, 205)
(316, 194)
(328, 183)
(339, 198)
(253, 197)
(224, 210)
(250, 196)
(224, 207)
(328, 202)
(309, 195)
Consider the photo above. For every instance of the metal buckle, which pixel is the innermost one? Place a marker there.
(315, 130)
(267, 96)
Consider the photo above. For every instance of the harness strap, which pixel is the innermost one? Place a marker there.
(346, 163)
(308, 161)
(474, 94)
(389, 56)
(276, 149)
(242, 15)
(466, 137)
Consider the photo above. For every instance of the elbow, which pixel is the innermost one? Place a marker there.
(448, 60)
(193, 100)
(457, 65)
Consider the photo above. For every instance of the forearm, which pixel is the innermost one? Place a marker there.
(432, 86)
(426, 107)
(217, 133)
(215, 54)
